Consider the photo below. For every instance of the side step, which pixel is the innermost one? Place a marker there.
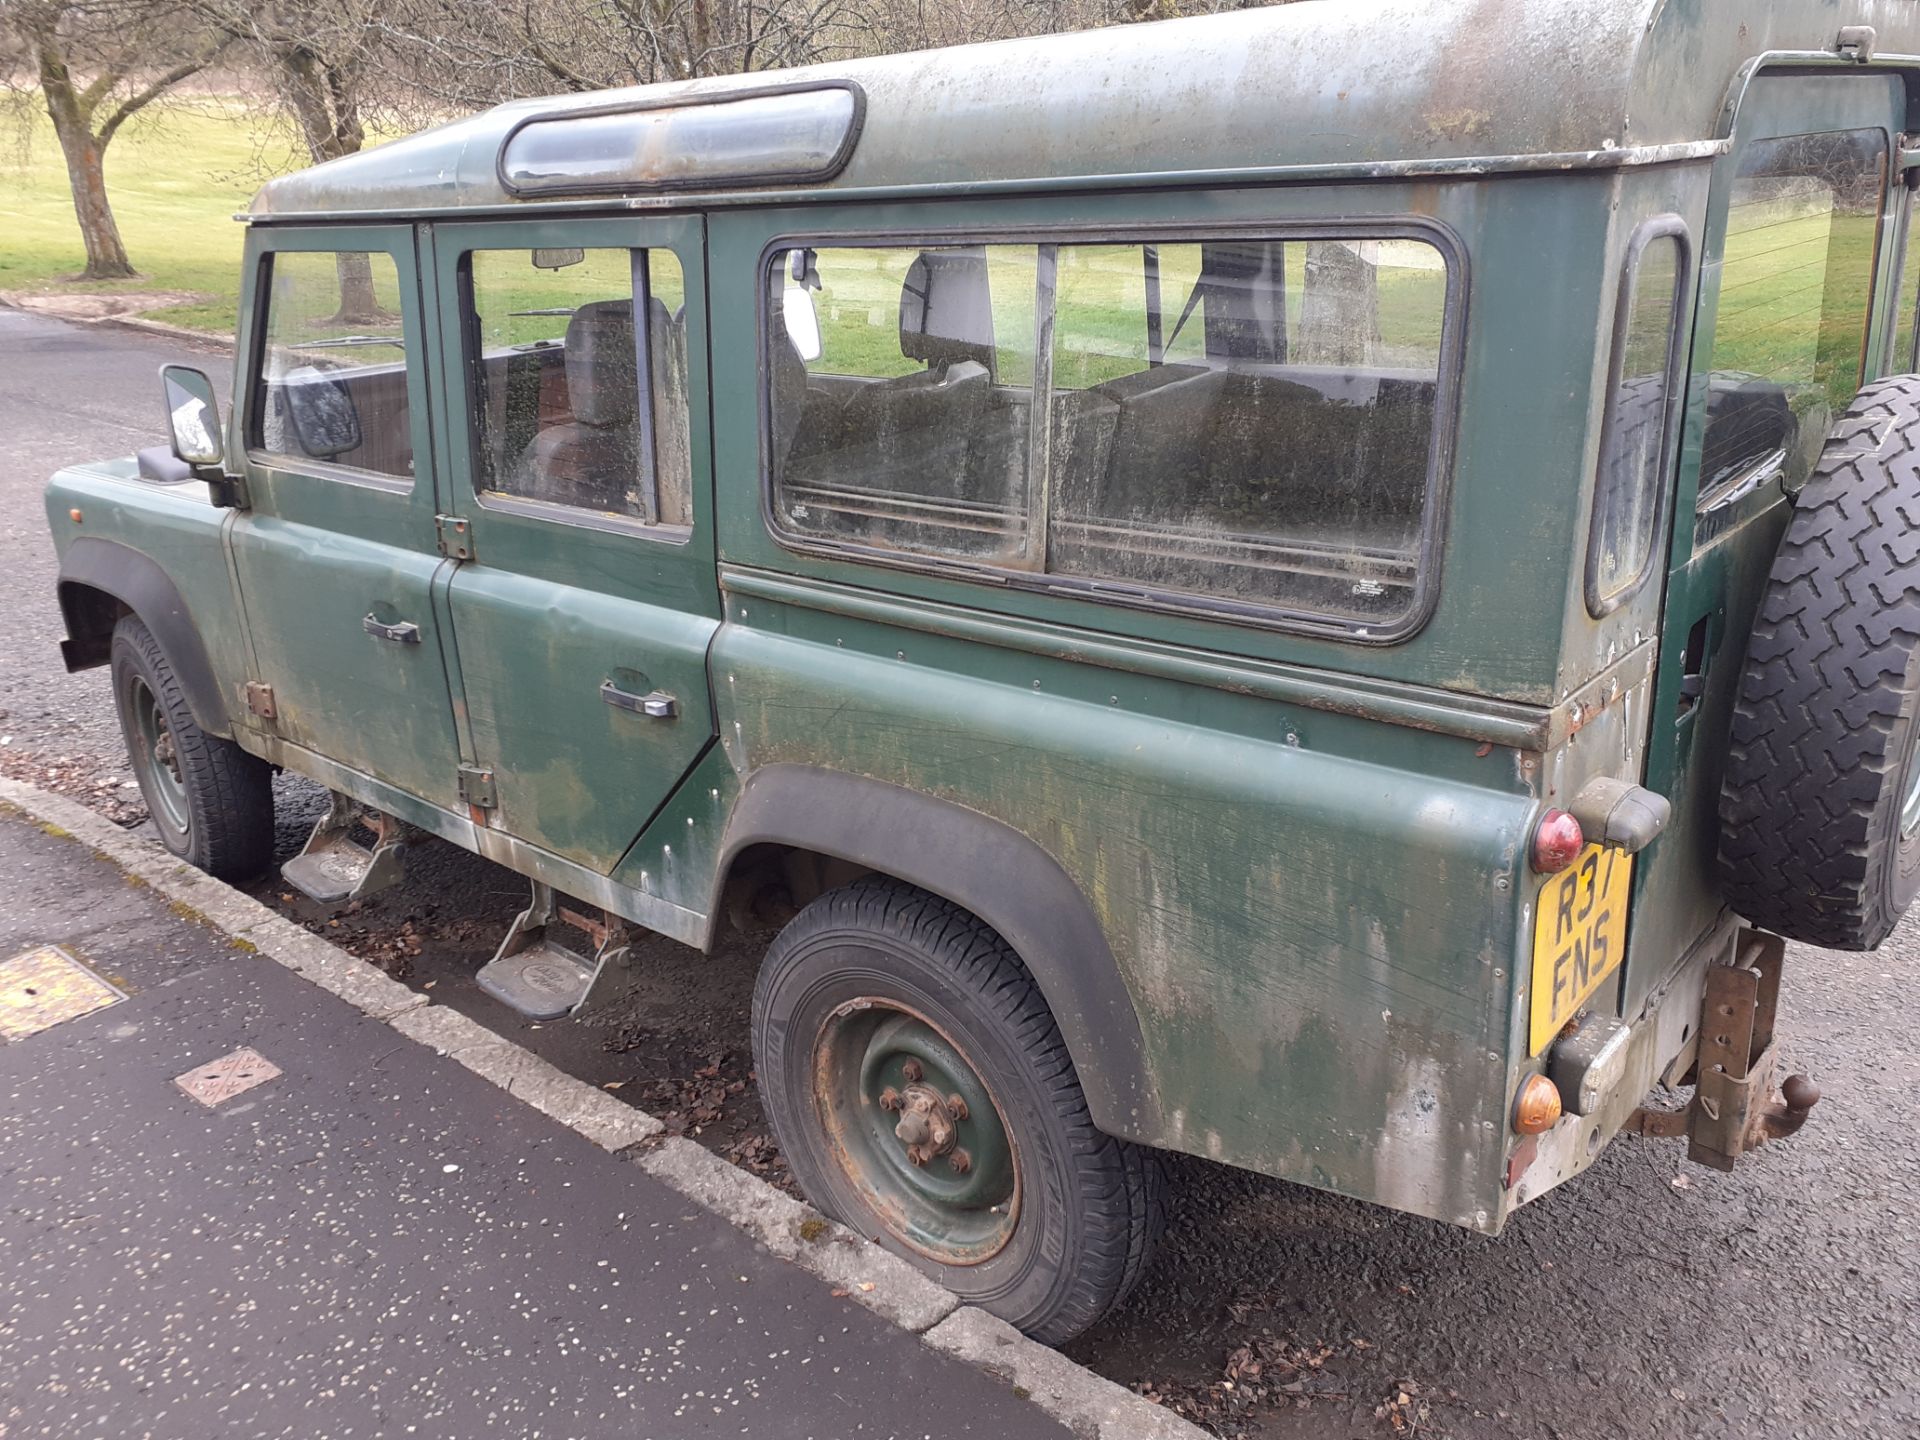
(334, 868)
(537, 974)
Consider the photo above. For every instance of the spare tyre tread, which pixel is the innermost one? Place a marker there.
(1823, 718)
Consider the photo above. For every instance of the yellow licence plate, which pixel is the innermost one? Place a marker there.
(1579, 938)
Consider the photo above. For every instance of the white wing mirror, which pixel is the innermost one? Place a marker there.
(802, 321)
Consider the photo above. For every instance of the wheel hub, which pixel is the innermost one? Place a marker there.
(929, 1124)
(164, 753)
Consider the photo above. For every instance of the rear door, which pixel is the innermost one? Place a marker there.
(336, 559)
(574, 372)
(1797, 225)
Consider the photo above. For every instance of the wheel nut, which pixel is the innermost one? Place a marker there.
(957, 1107)
(889, 1099)
(961, 1162)
(916, 1155)
(912, 1071)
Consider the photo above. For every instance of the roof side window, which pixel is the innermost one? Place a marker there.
(1635, 440)
(1796, 291)
(1245, 427)
(331, 384)
(558, 366)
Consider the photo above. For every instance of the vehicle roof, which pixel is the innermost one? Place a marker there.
(1348, 86)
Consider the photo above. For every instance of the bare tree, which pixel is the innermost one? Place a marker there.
(97, 63)
(315, 57)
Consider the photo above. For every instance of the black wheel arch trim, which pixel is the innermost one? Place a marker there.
(991, 869)
(106, 567)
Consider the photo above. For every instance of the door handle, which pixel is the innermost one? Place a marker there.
(403, 633)
(660, 705)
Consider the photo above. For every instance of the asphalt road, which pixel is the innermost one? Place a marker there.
(375, 1243)
(1647, 1298)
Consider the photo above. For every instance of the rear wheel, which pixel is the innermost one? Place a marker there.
(920, 1090)
(211, 802)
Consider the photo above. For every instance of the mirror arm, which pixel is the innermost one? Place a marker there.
(229, 492)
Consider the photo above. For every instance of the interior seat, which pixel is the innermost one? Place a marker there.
(588, 459)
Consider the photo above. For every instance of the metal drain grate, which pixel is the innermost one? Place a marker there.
(42, 987)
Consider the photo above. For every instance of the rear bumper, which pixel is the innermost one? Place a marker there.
(1710, 1024)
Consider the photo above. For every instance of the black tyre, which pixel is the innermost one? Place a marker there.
(1820, 806)
(211, 801)
(920, 1090)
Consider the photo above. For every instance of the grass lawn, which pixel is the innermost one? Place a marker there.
(175, 180)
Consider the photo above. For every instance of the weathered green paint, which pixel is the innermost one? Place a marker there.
(1307, 856)
(176, 528)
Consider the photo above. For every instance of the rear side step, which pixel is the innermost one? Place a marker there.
(334, 868)
(538, 974)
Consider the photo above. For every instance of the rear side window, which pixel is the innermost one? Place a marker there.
(331, 384)
(558, 368)
(1244, 426)
(1796, 290)
(1636, 438)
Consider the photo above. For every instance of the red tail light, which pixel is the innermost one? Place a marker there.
(1557, 843)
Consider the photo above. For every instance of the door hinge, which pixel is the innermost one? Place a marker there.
(456, 537)
(260, 700)
(476, 786)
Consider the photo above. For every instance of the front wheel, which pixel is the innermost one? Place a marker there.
(210, 800)
(921, 1092)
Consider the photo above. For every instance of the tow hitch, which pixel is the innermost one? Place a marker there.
(1734, 1108)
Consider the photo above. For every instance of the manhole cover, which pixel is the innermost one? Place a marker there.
(42, 987)
(218, 1081)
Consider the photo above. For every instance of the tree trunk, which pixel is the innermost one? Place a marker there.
(86, 177)
(358, 304)
(106, 252)
(1339, 308)
(323, 99)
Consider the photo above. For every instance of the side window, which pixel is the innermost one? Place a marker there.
(1241, 426)
(902, 419)
(558, 366)
(1796, 291)
(331, 384)
(1635, 441)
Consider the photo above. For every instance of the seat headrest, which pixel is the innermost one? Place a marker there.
(603, 386)
(946, 308)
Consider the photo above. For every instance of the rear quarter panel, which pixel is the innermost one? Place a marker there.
(1318, 945)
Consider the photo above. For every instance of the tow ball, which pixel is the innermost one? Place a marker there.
(1734, 1107)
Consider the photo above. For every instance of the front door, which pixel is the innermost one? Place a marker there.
(574, 365)
(336, 559)
(1797, 226)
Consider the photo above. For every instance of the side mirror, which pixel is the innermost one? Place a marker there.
(802, 321)
(193, 427)
(193, 415)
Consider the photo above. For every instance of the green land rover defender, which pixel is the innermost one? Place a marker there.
(1320, 587)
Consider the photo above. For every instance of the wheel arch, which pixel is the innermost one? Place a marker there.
(101, 580)
(990, 869)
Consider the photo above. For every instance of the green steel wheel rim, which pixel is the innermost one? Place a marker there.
(948, 1187)
(156, 756)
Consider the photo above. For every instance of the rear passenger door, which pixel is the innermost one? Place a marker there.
(574, 370)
